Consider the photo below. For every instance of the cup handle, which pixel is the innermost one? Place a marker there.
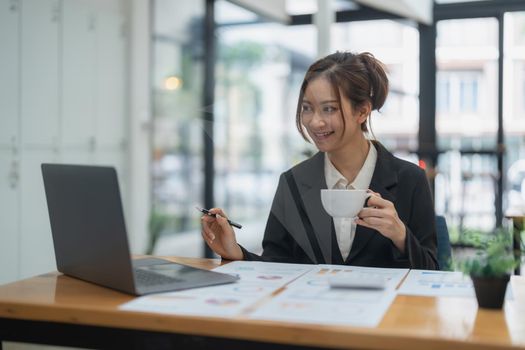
(366, 200)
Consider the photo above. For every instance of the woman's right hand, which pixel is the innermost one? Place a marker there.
(219, 235)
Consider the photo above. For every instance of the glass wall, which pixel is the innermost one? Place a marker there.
(467, 122)
(177, 116)
(396, 44)
(259, 70)
(260, 65)
(514, 111)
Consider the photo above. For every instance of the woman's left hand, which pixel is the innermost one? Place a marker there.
(381, 215)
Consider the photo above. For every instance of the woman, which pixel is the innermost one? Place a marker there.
(396, 229)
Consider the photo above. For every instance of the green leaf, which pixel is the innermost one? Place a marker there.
(494, 256)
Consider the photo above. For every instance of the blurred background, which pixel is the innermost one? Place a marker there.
(193, 101)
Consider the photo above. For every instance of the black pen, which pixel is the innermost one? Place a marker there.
(207, 212)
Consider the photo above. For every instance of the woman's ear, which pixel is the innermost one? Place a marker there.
(363, 112)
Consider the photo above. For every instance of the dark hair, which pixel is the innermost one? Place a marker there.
(361, 77)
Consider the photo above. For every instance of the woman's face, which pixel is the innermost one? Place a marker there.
(322, 118)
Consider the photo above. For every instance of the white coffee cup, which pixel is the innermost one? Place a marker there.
(343, 203)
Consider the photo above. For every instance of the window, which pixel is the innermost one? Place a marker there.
(458, 93)
(466, 122)
(514, 110)
(468, 94)
(443, 99)
(259, 70)
(177, 127)
(397, 45)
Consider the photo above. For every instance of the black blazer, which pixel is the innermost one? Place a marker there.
(401, 182)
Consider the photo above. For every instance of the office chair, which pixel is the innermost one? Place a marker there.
(444, 251)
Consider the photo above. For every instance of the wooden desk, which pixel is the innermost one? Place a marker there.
(56, 309)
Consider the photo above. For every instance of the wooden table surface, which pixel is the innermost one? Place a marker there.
(411, 322)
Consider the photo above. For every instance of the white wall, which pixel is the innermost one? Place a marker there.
(140, 125)
(39, 127)
(9, 139)
(64, 97)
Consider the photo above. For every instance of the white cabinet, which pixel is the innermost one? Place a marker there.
(78, 74)
(39, 116)
(9, 66)
(111, 82)
(40, 72)
(73, 156)
(63, 92)
(9, 238)
(36, 254)
(9, 94)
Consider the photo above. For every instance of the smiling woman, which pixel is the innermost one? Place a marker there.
(360, 78)
(396, 229)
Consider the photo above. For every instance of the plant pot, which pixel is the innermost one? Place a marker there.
(490, 291)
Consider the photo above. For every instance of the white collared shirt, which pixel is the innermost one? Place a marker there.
(345, 227)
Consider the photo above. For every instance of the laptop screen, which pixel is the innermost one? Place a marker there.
(87, 223)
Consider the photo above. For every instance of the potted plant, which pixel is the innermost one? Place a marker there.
(490, 267)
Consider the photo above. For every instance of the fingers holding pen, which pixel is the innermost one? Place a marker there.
(219, 235)
(206, 237)
(218, 211)
(207, 232)
(211, 225)
(209, 221)
(216, 215)
(215, 224)
(222, 220)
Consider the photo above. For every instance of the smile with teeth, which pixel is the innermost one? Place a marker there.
(323, 135)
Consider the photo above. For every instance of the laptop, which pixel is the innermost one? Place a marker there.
(90, 239)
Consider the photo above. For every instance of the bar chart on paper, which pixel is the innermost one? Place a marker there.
(309, 299)
(437, 283)
(257, 280)
(322, 275)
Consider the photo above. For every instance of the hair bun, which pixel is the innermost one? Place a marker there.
(378, 79)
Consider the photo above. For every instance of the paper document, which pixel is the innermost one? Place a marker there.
(257, 280)
(222, 301)
(265, 273)
(310, 299)
(321, 275)
(441, 284)
(437, 284)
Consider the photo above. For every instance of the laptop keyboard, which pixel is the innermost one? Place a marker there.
(149, 278)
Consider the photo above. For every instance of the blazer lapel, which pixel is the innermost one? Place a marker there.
(384, 182)
(310, 180)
